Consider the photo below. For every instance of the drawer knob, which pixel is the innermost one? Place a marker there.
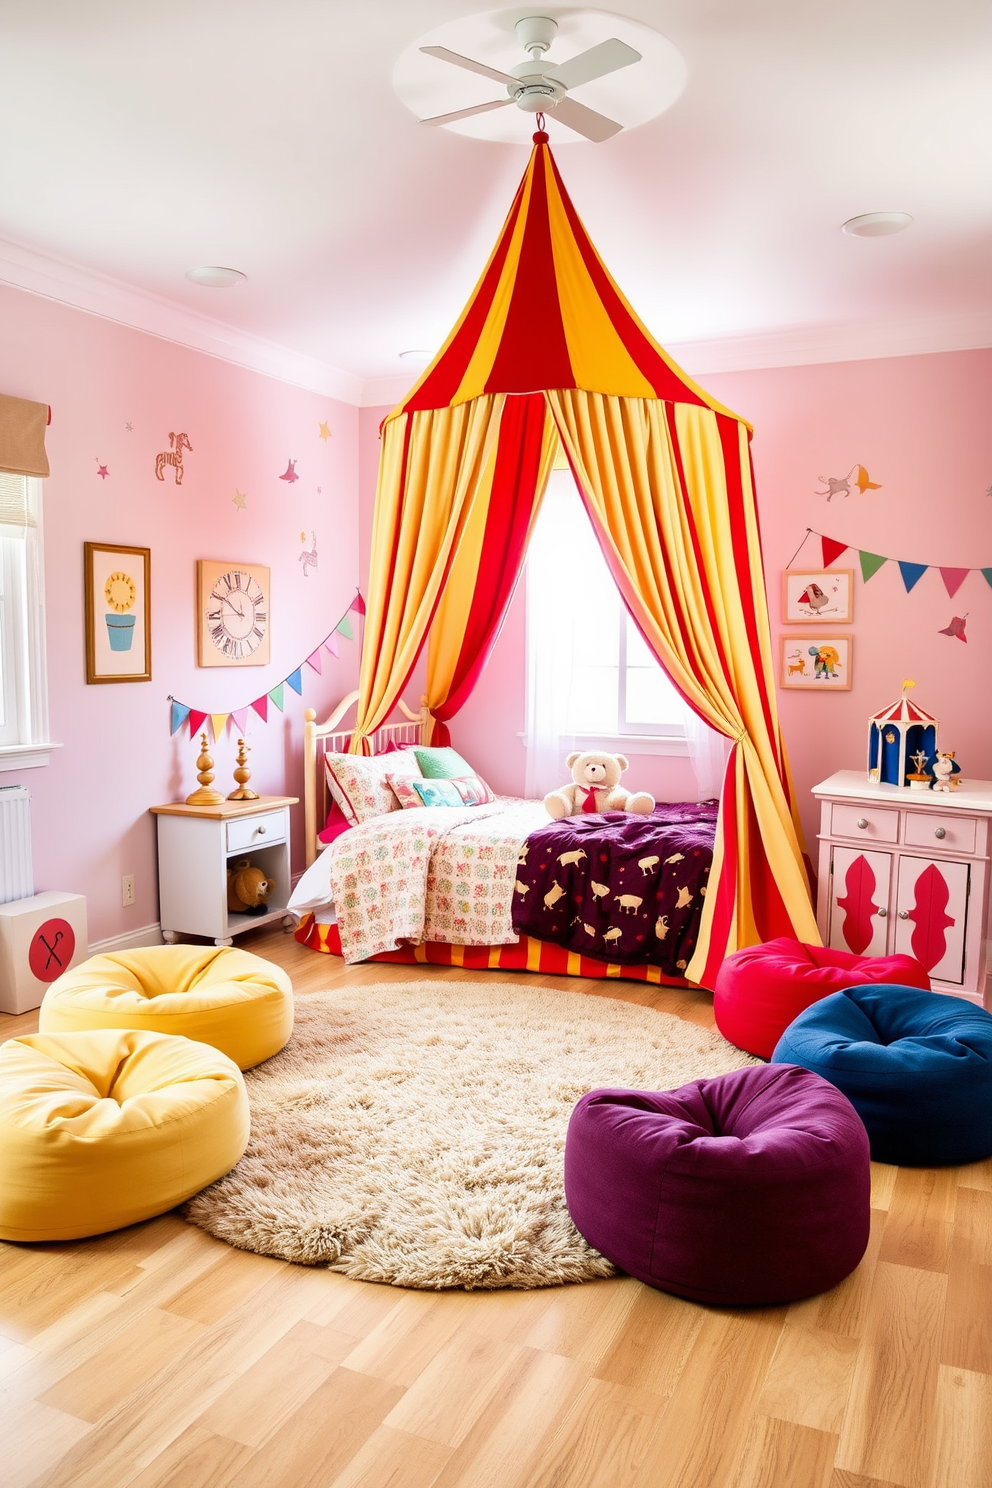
(940, 832)
(883, 914)
(904, 914)
(260, 831)
(862, 822)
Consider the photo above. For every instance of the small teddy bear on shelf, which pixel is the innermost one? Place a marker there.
(944, 768)
(248, 889)
(596, 787)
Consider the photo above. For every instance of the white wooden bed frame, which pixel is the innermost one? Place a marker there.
(329, 738)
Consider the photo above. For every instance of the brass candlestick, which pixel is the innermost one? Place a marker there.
(242, 775)
(206, 795)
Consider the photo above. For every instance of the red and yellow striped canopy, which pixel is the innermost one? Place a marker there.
(546, 314)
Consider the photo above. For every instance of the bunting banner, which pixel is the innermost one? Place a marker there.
(181, 714)
(910, 572)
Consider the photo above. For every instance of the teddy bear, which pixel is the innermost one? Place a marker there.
(247, 889)
(945, 768)
(596, 787)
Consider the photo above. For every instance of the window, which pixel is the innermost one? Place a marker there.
(23, 682)
(604, 679)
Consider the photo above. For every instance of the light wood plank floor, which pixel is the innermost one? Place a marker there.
(160, 1358)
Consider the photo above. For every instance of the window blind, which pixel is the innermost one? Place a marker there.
(15, 506)
(22, 436)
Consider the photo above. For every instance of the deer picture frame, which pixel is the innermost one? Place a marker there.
(815, 662)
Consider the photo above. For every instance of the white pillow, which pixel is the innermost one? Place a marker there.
(358, 782)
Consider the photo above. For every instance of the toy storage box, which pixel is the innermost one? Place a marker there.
(40, 938)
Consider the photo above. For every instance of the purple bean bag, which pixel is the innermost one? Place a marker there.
(749, 1188)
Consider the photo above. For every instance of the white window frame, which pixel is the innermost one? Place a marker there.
(24, 736)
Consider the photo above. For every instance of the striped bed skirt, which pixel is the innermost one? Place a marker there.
(527, 954)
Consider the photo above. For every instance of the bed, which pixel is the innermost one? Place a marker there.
(496, 884)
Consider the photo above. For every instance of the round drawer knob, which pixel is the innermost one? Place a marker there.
(260, 831)
(862, 822)
(940, 832)
(904, 914)
(883, 914)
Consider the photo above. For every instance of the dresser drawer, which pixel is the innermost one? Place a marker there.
(256, 831)
(953, 833)
(872, 823)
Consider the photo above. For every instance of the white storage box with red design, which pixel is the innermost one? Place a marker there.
(40, 938)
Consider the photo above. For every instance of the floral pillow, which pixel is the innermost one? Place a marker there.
(468, 791)
(359, 785)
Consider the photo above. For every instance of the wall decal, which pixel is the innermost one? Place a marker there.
(173, 456)
(101, 470)
(956, 628)
(289, 474)
(128, 428)
(841, 485)
(323, 432)
(239, 498)
(309, 555)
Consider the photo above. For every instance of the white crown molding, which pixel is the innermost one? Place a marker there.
(378, 391)
(98, 294)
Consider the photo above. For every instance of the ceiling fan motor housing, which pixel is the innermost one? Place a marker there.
(536, 33)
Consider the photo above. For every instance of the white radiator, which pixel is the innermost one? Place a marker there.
(16, 868)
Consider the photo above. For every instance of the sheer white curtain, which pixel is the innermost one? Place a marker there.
(708, 754)
(550, 641)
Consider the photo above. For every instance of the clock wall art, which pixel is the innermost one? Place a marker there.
(233, 613)
(117, 589)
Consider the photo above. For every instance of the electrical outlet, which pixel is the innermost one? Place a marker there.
(127, 889)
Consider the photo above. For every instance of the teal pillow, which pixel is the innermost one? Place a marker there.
(442, 764)
(437, 793)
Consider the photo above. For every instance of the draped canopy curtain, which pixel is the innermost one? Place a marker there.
(548, 349)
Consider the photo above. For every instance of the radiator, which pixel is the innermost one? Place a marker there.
(16, 868)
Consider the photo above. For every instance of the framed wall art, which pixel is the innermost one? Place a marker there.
(817, 663)
(821, 595)
(233, 613)
(117, 590)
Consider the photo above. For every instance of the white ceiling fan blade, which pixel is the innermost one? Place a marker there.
(459, 61)
(480, 108)
(586, 121)
(609, 56)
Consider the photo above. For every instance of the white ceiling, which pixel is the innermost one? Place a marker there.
(142, 138)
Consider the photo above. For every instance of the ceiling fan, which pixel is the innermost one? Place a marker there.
(538, 85)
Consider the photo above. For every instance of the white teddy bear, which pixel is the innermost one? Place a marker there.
(596, 787)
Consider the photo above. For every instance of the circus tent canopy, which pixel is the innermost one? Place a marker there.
(546, 354)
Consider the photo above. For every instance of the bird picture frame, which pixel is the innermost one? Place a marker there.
(823, 596)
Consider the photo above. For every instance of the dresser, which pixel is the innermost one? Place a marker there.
(197, 845)
(907, 871)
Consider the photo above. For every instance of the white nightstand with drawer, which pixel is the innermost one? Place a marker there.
(907, 871)
(197, 845)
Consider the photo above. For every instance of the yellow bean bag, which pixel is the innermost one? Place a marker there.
(215, 994)
(100, 1130)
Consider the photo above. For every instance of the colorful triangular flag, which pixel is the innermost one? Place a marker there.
(295, 680)
(180, 713)
(218, 722)
(987, 575)
(314, 660)
(261, 706)
(344, 628)
(832, 549)
(912, 573)
(240, 719)
(358, 605)
(275, 696)
(870, 564)
(953, 579)
(333, 645)
(196, 721)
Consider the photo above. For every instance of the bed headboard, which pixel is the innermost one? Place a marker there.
(330, 738)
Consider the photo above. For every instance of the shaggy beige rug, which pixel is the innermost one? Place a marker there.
(414, 1133)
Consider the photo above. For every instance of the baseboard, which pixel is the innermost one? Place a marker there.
(148, 935)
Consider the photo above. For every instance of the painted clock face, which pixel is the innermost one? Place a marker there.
(237, 614)
(119, 591)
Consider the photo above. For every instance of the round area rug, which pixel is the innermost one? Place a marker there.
(413, 1133)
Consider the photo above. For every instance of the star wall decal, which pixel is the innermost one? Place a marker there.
(323, 432)
(129, 428)
(101, 470)
(239, 498)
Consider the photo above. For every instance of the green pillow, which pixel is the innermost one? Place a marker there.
(442, 764)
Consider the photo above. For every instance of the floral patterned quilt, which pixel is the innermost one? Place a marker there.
(430, 873)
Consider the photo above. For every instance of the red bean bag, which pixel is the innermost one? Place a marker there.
(761, 989)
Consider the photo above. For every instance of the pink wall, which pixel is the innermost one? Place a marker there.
(920, 426)
(90, 805)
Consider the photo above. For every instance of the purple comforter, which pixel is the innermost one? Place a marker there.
(618, 886)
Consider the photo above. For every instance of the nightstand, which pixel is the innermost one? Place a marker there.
(197, 845)
(907, 871)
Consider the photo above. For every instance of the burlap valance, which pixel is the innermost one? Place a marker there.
(22, 436)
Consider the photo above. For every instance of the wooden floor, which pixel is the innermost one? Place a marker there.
(158, 1356)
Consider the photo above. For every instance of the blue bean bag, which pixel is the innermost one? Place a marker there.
(916, 1066)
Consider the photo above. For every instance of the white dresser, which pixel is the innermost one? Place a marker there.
(907, 871)
(197, 845)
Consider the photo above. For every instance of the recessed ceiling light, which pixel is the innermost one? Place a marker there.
(416, 356)
(214, 277)
(876, 224)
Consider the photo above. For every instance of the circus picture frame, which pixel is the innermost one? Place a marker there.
(834, 604)
(816, 662)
